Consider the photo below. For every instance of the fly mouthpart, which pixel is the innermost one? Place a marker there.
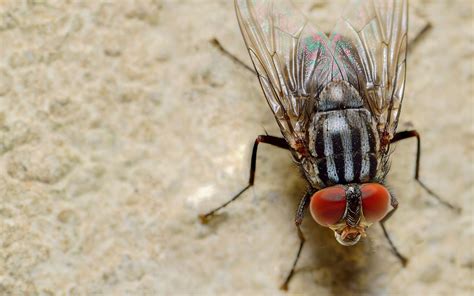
(350, 236)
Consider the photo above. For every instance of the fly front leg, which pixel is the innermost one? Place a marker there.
(298, 220)
(266, 139)
(394, 203)
(414, 134)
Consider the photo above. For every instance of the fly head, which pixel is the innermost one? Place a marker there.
(350, 209)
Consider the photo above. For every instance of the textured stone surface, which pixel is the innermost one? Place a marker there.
(120, 123)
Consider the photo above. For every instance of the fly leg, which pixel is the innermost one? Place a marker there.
(410, 134)
(275, 141)
(395, 251)
(221, 48)
(298, 220)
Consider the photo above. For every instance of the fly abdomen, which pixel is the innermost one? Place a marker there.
(344, 143)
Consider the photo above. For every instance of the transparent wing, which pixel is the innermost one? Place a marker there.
(377, 29)
(293, 59)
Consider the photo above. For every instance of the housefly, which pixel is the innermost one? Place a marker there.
(337, 99)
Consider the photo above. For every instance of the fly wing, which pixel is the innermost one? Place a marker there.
(377, 29)
(293, 61)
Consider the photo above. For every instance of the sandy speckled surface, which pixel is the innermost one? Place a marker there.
(120, 122)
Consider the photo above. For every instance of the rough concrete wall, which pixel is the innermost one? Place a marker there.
(120, 122)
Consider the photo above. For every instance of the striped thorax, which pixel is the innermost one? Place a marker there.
(343, 137)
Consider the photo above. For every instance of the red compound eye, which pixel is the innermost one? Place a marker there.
(375, 201)
(328, 205)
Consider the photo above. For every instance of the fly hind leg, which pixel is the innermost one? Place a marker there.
(275, 141)
(414, 134)
(221, 48)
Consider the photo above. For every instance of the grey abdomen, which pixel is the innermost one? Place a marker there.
(344, 144)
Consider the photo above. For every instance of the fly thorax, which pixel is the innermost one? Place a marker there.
(353, 205)
(338, 95)
(342, 137)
